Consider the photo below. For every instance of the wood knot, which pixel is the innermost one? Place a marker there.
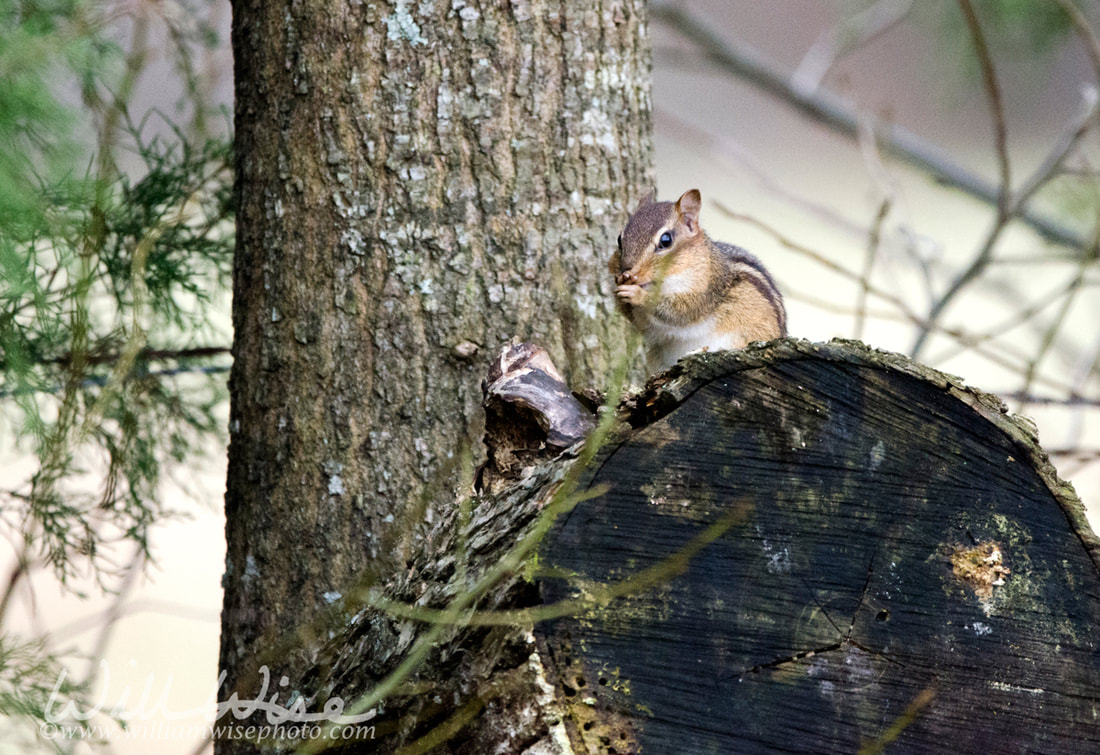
(980, 567)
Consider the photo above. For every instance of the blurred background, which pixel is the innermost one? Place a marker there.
(911, 180)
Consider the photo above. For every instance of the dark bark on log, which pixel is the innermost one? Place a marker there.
(819, 546)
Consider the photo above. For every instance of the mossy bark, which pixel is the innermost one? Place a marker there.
(417, 182)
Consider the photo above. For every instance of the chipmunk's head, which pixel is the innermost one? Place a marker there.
(654, 234)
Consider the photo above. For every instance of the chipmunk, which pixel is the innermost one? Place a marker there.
(686, 292)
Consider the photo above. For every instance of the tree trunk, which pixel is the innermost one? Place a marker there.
(416, 183)
(798, 547)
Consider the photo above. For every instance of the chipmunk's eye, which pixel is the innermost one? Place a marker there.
(666, 241)
(620, 243)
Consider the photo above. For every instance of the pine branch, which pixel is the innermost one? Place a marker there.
(145, 355)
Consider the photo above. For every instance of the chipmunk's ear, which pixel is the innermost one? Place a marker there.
(688, 207)
(649, 198)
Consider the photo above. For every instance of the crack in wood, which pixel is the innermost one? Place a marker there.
(807, 654)
(779, 662)
(862, 596)
(828, 618)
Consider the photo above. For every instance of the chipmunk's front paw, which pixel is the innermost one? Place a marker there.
(632, 294)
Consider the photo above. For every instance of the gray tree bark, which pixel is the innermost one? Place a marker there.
(416, 183)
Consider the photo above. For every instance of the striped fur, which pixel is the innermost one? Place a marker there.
(687, 293)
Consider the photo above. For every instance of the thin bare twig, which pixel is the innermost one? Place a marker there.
(1077, 454)
(1084, 31)
(114, 613)
(1069, 139)
(832, 111)
(1017, 318)
(1011, 205)
(820, 259)
(137, 607)
(874, 242)
(18, 572)
(726, 151)
(828, 305)
(1018, 366)
(1004, 206)
(1031, 398)
(1087, 368)
(840, 40)
(1052, 331)
(996, 105)
(873, 160)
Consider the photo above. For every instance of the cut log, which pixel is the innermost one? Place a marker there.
(794, 547)
(877, 554)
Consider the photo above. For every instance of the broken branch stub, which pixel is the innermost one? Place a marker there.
(903, 565)
(530, 413)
